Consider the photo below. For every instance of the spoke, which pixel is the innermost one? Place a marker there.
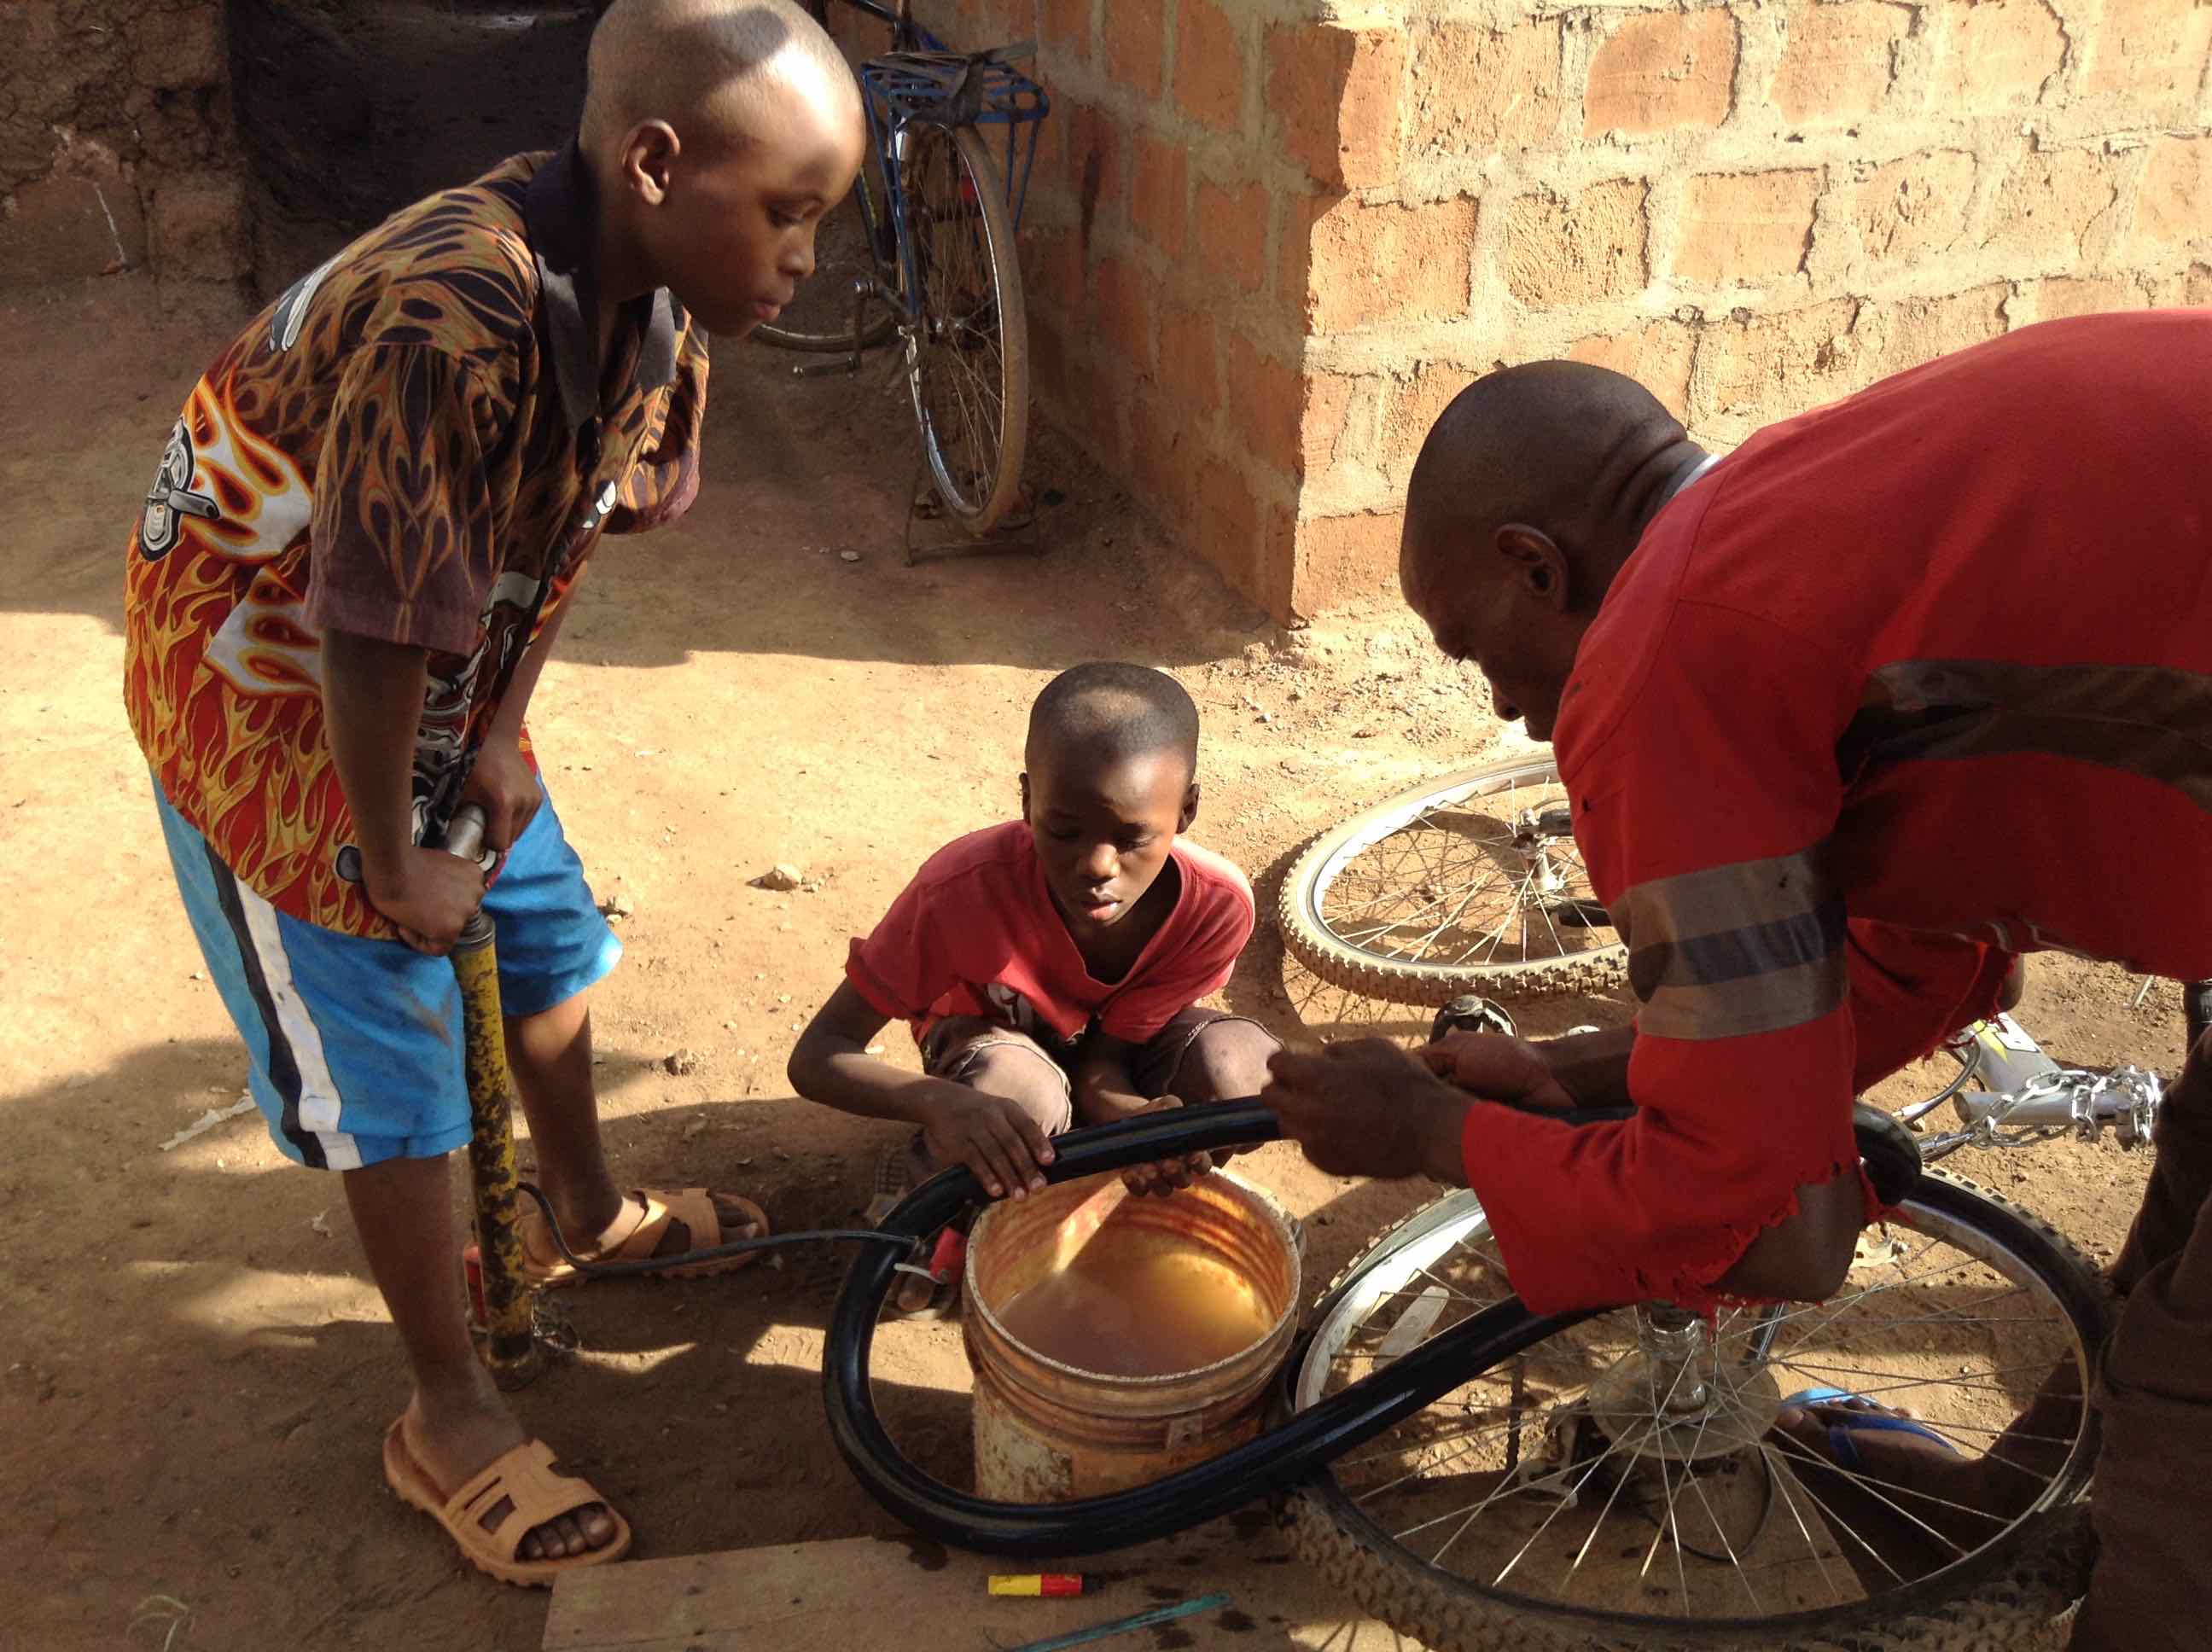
(1872, 1488)
(1781, 1479)
(1834, 1521)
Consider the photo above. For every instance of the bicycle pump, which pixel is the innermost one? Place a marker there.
(511, 1345)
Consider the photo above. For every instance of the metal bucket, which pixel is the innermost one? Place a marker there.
(1047, 1431)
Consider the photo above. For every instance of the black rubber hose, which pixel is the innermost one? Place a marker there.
(1276, 1460)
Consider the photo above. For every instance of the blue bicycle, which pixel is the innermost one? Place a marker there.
(924, 251)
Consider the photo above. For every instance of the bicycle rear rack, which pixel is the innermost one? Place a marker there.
(951, 89)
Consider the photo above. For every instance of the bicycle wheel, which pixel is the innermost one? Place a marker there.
(1468, 883)
(968, 368)
(1564, 1498)
(819, 316)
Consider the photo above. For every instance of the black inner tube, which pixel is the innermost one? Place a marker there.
(1303, 1443)
(1274, 1461)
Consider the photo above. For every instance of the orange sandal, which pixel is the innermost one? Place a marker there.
(523, 1476)
(636, 1234)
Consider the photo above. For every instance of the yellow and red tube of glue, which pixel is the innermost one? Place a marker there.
(1051, 1585)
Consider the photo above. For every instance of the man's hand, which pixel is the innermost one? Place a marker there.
(429, 895)
(989, 1134)
(1369, 1108)
(1497, 1068)
(507, 789)
(1165, 1176)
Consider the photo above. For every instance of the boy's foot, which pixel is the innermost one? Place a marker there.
(429, 1455)
(652, 1223)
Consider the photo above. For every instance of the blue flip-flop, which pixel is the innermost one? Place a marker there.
(1841, 1446)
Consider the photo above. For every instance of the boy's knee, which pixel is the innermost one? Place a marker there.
(1227, 1061)
(1025, 1075)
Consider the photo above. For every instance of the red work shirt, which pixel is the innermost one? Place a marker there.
(1939, 656)
(976, 933)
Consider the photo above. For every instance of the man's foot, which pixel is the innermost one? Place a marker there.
(1901, 1498)
(453, 1445)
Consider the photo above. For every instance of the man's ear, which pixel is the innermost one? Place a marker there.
(1189, 809)
(649, 157)
(1538, 566)
(1026, 794)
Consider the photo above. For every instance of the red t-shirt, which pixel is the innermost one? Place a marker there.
(976, 933)
(1939, 656)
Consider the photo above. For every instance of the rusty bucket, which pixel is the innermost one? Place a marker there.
(1048, 1429)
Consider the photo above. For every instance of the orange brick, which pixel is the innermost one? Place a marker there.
(1159, 184)
(1164, 453)
(1122, 298)
(1264, 403)
(1915, 206)
(1411, 407)
(1134, 46)
(2152, 51)
(1188, 371)
(1662, 70)
(1572, 251)
(1759, 368)
(2171, 200)
(1745, 227)
(1371, 263)
(1475, 90)
(1232, 232)
(1064, 30)
(1891, 337)
(1052, 271)
(2065, 295)
(1228, 523)
(1278, 554)
(2048, 203)
(1048, 364)
(1340, 557)
(1094, 159)
(1335, 96)
(1209, 65)
(1658, 358)
(1996, 54)
(1838, 60)
(1328, 400)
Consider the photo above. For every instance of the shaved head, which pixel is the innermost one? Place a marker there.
(705, 67)
(1529, 495)
(1549, 443)
(1109, 712)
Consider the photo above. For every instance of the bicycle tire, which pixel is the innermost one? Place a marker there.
(1979, 1604)
(818, 319)
(1373, 973)
(998, 425)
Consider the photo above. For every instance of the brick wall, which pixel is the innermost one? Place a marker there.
(1269, 242)
(116, 150)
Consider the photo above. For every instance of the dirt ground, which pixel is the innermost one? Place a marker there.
(196, 1369)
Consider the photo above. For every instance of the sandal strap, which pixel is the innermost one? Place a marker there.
(536, 1493)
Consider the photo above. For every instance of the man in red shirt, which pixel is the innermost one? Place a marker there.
(1848, 720)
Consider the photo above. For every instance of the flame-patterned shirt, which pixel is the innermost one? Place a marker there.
(415, 443)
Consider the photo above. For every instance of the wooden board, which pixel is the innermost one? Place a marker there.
(862, 1594)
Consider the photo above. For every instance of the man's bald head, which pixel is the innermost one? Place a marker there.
(1558, 445)
(1530, 493)
(703, 66)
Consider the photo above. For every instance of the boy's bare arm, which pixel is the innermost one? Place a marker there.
(990, 1134)
(1106, 1091)
(373, 707)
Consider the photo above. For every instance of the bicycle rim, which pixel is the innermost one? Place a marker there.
(969, 366)
(1458, 884)
(1698, 1523)
(819, 316)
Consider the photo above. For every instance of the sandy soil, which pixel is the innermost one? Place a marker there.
(196, 1369)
